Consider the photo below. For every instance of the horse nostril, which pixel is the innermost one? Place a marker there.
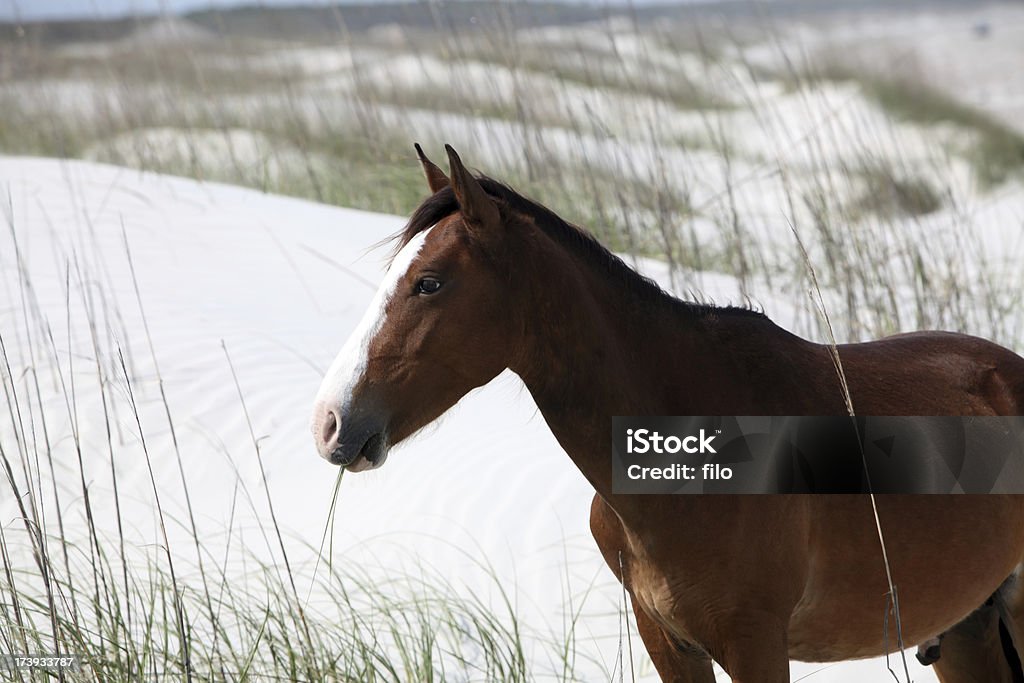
(329, 429)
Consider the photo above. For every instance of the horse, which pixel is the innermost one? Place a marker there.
(484, 279)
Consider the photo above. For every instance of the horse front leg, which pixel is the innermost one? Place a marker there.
(674, 662)
(752, 647)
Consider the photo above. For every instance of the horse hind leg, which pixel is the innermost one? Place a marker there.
(1008, 600)
(974, 651)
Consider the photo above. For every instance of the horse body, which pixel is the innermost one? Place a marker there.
(939, 580)
(749, 581)
(817, 558)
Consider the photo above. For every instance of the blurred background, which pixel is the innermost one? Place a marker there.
(694, 133)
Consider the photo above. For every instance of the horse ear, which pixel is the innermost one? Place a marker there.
(474, 202)
(436, 178)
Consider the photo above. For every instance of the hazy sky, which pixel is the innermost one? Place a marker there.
(57, 9)
(51, 9)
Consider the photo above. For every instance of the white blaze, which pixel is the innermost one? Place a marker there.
(350, 364)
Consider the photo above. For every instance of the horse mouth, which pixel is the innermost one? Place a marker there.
(372, 455)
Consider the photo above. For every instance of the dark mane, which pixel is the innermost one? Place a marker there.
(578, 241)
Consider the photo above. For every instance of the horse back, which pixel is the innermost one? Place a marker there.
(933, 373)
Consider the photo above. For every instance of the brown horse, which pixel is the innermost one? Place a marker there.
(485, 279)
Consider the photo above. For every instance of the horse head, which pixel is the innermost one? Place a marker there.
(439, 326)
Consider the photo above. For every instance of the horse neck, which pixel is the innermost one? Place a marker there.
(592, 349)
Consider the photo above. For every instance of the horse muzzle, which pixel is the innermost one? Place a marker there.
(353, 440)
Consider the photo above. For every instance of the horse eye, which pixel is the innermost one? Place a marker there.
(428, 285)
